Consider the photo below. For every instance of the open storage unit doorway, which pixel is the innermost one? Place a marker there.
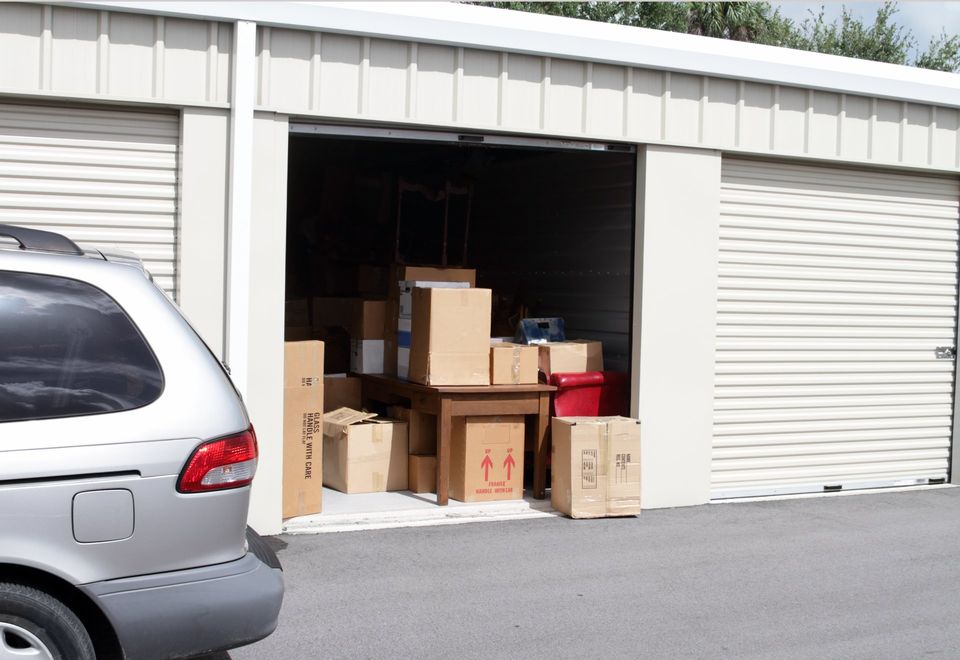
(548, 226)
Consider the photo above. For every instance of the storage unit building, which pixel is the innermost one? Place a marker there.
(792, 311)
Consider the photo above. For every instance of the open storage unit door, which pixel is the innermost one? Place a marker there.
(836, 329)
(546, 226)
(104, 178)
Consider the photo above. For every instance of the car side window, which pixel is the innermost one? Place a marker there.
(67, 349)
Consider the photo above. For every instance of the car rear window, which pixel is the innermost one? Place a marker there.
(66, 349)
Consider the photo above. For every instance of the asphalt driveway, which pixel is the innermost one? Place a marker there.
(865, 576)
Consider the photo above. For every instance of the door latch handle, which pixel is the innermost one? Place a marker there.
(946, 352)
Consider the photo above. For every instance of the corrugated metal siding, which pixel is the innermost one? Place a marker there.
(102, 177)
(352, 77)
(84, 53)
(836, 286)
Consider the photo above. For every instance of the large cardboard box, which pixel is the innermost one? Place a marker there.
(421, 429)
(595, 466)
(363, 454)
(398, 273)
(362, 319)
(571, 357)
(486, 458)
(450, 337)
(302, 428)
(422, 473)
(366, 356)
(341, 391)
(407, 287)
(405, 320)
(513, 364)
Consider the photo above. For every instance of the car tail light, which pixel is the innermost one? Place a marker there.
(228, 462)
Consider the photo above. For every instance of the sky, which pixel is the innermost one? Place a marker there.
(925, 18)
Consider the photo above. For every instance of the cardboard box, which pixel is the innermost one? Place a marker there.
(366, 356)
(398, 273)
(407, 287)
(486, 458)
(422, 471)
(595, 466)
(341, 391)
(296, 312)
(421, 429)
(450, 337)
(363, 454)
(433, 274)
(302, 428)
(362, 319)
(513, 364)
(404, 320)
(570, 357)
(303, 364)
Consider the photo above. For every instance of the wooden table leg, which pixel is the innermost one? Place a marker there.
(444, 430)
(541, 448)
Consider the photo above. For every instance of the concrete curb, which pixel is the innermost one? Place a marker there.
(355, 522)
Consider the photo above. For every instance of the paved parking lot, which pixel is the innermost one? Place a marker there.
(863, 576)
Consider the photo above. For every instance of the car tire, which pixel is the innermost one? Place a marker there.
(33, 619)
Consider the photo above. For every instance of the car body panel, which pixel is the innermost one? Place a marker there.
(182, 581)
(205, 610)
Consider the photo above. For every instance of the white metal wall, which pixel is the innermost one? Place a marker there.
(362, 78)
(835, 288)
(102, 177)
(101, 55)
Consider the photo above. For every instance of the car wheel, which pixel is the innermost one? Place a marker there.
(35, 625)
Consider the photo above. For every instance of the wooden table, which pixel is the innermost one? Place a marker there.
(447, 402)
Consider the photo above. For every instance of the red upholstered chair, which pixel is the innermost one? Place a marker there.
(591, 394)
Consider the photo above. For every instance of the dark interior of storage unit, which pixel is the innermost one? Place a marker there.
(549, 231)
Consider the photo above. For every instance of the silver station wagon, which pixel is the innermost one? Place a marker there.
(126, 458)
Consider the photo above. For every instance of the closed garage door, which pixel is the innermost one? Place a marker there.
(102, 177)
(836, 289)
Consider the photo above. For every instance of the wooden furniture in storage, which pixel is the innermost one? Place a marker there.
(448, 401)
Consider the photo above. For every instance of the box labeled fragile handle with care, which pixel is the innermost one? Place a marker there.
(486, 458)
(595, 466)
(302, 428)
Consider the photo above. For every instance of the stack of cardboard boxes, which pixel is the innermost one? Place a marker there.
(433, 327)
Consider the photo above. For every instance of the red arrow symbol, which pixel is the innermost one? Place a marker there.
(509, 463)
(486, 465)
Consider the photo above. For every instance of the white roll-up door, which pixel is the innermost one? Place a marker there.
(105, 178)
(837, 287)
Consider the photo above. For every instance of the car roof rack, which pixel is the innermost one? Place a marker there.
(35, 239)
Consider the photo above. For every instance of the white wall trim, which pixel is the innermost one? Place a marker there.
(553, 36)
(243, 88)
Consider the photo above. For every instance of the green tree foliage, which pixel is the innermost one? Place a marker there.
(881, 40)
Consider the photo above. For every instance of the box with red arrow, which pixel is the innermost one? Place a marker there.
(486, 458)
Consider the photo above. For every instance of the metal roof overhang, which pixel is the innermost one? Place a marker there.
(519, 32)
